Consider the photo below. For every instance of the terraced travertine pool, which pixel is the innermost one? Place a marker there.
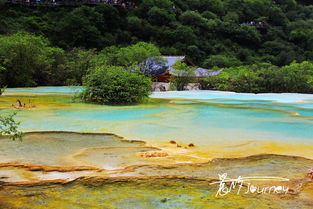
(79, 155)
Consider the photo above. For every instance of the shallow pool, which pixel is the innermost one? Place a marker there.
(189, 137)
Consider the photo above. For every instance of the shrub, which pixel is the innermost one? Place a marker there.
(296, 77)
(115, 85)
(8, 126)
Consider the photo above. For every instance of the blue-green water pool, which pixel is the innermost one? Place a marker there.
(201, 117)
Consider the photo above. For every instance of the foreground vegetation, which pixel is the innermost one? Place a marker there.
(8, 126)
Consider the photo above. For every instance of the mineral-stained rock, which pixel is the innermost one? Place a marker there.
(153, 154)
(310, 173)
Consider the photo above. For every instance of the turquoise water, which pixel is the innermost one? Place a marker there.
(202, 117)
(220, 124)
(203, 95)
(49, 89)
(210, 95)
(114, 114)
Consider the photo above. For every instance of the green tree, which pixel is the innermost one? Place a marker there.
(160, 16)
(221, 61)
(192, 18)
(215, 6)
(8, 126)
(128, 56)
(54, 72)
(23, 57)
(79, 28)
(196, 28)
(115, 85)
(79, 62)
(298, 77)
(182, 75)
(136, 26)
(184, 34)
(264, 77)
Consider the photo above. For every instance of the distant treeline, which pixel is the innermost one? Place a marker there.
(59, 45)
(72, 3)
(210, 32)
(264, 78)
(28, 60)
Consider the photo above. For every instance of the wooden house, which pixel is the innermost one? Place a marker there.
(169, 71)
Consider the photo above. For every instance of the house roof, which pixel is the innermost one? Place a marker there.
(172, 59)
(199, 72)
(161, 68)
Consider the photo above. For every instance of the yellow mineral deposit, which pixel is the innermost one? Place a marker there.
(167, 152)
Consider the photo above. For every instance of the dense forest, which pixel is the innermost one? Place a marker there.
(211, 33)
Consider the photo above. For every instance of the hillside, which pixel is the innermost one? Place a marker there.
(210, 32)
